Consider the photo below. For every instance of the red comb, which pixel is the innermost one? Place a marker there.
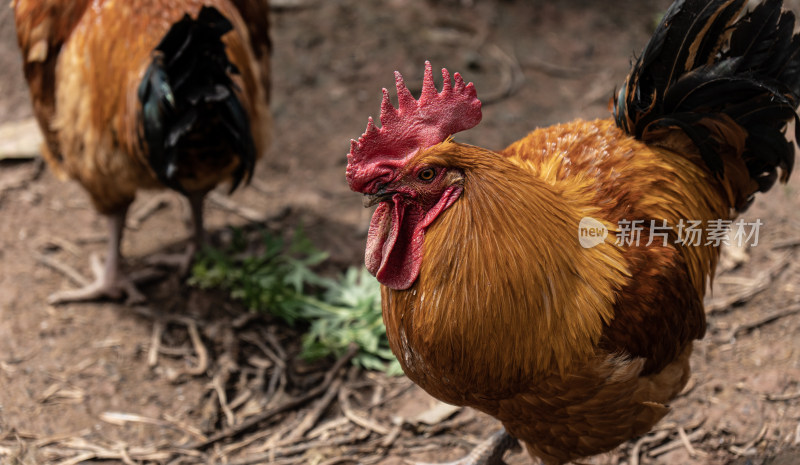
(415, 125)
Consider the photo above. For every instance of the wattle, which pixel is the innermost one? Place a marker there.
(396, 236)
(394, 244)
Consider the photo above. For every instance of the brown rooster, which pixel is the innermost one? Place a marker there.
(146, 94)
(490, 297)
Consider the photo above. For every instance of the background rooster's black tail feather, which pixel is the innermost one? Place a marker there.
(709, 65)
(189, 101)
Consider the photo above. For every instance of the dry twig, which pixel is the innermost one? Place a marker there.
(745, 293)
(231, 206)
(757, 323)
(300, 448)
(121, 418)
(677, 443)
(148, 209)
(364, 422)
(61, 243)
(555, 70)
(509, 68)
(286, 406)
(390, 438)
(155, 343)
(327, 426)
(394, 394)
(199, 347)
(786, 244)
(744, 449)
(78, 458)
(637, 447)
(312, 417)
(687, 443)
(781, 397)
(218, 383)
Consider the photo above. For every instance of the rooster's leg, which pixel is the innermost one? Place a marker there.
(196, 203)
(110, 283)
(489, 452)
(182, 261)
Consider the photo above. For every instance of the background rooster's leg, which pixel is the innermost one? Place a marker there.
(110, 282)
(183, 260)
(489, 452)
(199, 232)
(196, 203)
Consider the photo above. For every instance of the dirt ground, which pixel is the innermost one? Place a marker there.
(87, 382)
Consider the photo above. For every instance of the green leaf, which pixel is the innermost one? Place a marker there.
(279, 278)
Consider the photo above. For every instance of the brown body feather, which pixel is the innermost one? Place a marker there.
(84, 65)
(580, 348)
(42, 30)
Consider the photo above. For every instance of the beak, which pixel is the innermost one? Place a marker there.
(378, 197)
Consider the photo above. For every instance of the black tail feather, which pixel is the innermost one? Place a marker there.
(709, 61)
(188, 88)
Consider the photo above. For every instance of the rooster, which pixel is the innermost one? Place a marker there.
(489, 297)
(146, 94)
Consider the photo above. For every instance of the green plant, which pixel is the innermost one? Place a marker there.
(279, 278)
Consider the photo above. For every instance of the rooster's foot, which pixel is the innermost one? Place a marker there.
(489, 452)
(104, 287)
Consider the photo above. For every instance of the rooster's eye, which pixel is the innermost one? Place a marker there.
(427, 174)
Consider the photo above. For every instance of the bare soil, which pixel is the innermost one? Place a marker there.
(89, 382)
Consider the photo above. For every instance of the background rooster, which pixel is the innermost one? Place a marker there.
(490, 300)
(146, 94)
